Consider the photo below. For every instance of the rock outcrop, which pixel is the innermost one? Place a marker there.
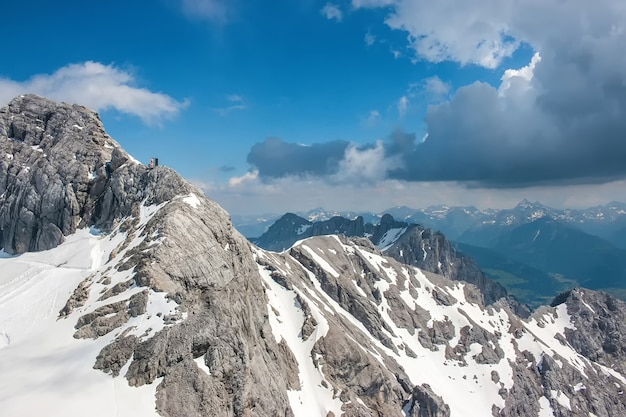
(59, 171)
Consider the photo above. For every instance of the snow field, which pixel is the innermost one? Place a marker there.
(44, 370)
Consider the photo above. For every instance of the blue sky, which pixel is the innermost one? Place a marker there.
(242, 96)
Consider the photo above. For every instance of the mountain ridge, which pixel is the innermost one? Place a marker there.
(180, 315)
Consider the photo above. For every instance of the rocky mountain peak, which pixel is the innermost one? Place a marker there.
(60, 171)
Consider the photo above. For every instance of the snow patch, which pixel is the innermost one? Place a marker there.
(320, 261)
(200, 362)
(192, 200)
(303, 228)
(286, 318)
(390, 237)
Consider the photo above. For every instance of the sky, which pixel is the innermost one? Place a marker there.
(349, 105)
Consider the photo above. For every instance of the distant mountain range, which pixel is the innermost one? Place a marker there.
(468, 224)
(533, 250)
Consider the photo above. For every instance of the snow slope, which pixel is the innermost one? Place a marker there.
(44, 370)
(465, 382)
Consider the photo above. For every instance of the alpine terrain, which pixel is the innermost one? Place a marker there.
(125, 291)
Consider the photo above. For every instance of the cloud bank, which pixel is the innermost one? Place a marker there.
(99, 87)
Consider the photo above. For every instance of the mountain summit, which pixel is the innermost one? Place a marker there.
(125, 291)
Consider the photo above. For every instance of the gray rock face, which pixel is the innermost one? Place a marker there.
(425, 403)
(417, 246)
(433, 252)
(600, 326)
(59, 170)
(532, 370)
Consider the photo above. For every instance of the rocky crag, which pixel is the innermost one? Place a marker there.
(412, 244)
(330, 327)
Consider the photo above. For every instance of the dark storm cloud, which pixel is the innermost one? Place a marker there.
(277, 158)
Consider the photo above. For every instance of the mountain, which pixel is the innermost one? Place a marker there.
(290, 228)
(410, 244)
(253, 227)
(469, 224)
(130, 293)
(164, 291)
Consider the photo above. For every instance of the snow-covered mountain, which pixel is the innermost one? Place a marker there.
(125, 291)
(408, 243)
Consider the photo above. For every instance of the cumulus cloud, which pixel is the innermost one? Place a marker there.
(369, 39)
(560, 119)
(332, 12)
(99, 87)
(476, 32)
(365, 164)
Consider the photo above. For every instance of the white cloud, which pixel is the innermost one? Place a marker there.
(519, 79)
(436, 87)
(396, 54)
(212, 10)
(99, 87)
(468, 32)
(369, 164)
(248, 177)
(369, 39)
(403, 105)
(332, 11)
(372, 118)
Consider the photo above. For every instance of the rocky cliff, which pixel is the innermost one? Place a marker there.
(60, 171)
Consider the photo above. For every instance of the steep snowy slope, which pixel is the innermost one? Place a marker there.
(393, 340)
(45, 371)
